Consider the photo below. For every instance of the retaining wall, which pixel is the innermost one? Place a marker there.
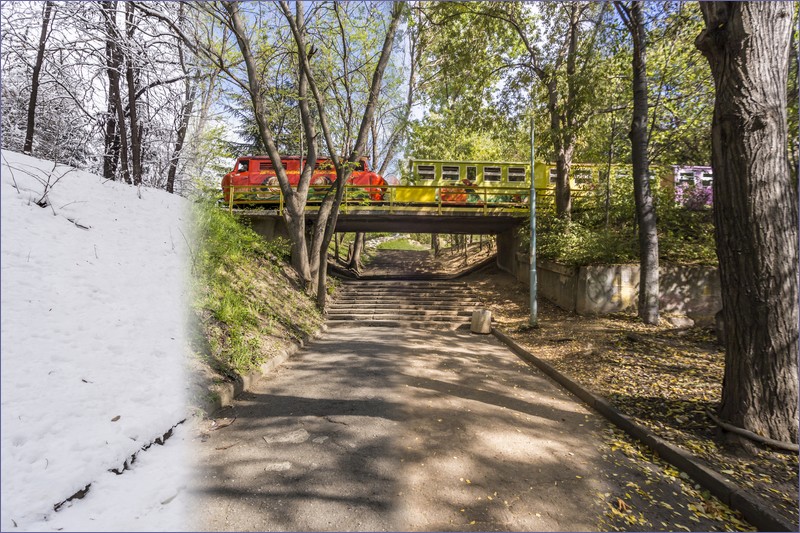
(693, 291)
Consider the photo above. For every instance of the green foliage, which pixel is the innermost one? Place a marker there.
(684, 236)
(241, 295)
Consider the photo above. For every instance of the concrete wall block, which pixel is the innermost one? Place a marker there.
(603, 289)
(693, 291)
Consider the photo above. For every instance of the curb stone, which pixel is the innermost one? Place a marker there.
(753, 508)
(228, 391)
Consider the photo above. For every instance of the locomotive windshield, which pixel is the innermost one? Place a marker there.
(244, 165)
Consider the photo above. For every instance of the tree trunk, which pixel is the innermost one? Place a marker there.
(186, 113)
(189, 95)
(563, 160)
(645, 207)
(111, 138)
(136, 147)
(37, 69)
(295, 200)
(645, 219)
(435, 244)
(358, 247)
(114, 62)
(755, 213)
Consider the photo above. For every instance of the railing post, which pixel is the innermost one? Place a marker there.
(439, 200)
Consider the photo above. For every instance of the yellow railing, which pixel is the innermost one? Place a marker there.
(437, 199)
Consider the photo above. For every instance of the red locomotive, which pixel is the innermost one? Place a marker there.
(257, 170)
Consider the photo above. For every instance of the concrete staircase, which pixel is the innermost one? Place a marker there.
(403, 304)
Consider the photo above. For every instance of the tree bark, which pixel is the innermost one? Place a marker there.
(645, 221)
(136, 147)
(189, 95)
(645, 207)
(358, 247)
(563, 158)
(755, 213)
(114, 65)
(37, 69)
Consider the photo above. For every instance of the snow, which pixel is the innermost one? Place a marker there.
(93, 350)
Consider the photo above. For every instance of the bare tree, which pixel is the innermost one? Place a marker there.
(37, 69)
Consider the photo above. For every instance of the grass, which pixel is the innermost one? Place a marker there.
(402, 244)
(247, 304)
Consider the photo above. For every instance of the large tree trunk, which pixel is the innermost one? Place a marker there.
(645, 208)
(755, 213)
(37, 69)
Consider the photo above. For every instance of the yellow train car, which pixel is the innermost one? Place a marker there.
(445, 181)
(462, 181)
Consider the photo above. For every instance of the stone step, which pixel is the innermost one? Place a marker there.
(364, 287)
(407, 302)
(451, 313)
(398, 284)
(390, 305)
(397, 316)
(407, 324)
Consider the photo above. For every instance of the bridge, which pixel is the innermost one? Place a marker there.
(453, 209)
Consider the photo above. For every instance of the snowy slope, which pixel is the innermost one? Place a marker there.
(93, 299)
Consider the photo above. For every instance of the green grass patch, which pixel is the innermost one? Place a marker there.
(402, 244)
(249, 309)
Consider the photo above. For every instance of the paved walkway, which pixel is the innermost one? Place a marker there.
(385, 429)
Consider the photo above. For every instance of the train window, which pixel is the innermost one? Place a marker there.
(553, 175)
(516, 173)
(360, 166)
(244, 165)
(450, 173)
(472, 174)
(265, 165)
(491, 173)
(686, 178)
(582, 177)
(426, 172)
(707, 178)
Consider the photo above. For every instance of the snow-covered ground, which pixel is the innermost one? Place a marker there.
(94, 295)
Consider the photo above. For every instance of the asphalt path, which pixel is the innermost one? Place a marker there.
(375, 429)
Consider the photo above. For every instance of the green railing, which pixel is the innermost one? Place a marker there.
(437, 199)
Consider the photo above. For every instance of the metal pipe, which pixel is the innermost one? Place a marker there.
(534, 320)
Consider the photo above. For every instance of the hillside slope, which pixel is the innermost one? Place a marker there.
(93, 348)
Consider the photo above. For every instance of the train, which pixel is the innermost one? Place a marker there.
(433, 181)
(255, 175)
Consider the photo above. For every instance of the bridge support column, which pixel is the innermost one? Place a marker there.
(507, 248)
(268, 227)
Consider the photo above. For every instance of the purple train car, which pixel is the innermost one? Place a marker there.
(693, 186)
